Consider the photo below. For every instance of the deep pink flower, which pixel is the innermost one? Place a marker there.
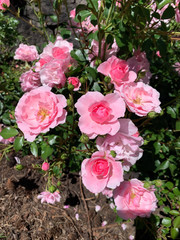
(6, 2)
(30, 80)
(45, 166)
(75, 82)
(125, 143)
(26, 53)
(49, 197)
(138, 63)
(52, 75)
(38, 111)
(118, 70)
(132, 200)
(140, 98)
(101, 171)
(99, 114)
(107, 52)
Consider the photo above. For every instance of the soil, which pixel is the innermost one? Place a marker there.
(23, 217)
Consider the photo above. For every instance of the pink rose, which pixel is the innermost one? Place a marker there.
(101, 171)
(60, 51)
(108, 192)
(51, 74)
(177, 12)
(140, 98)
(49, 197)
(75, 82)
(132, 200)
(104, 51)
(30, 80)
(45, 166)
(26, 53)
(6, 2)
(138, 63)
(125, 143)
(5, 141)
(118, 70)
(99, 114)
(38, 111)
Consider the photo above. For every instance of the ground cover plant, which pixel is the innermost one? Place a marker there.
(107, 109)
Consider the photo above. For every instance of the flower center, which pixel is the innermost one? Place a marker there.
(100, 168)
(137, 100)
(100, 112)
(42, 114)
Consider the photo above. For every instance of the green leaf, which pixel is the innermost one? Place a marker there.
(168, 13)
(96, 87)
(52, 139)
(172, 168)
(18, 143)
(92, 72)
(164, 165)
(174, 233)
(54, 18)
(81, 7)
(34, 149)
(166, 210)
(166, 222)
(77, 55)
(169, 185)
(174, 212)
(176, 222)
(46, 151)
(163, 3)
(171, 112)
(8, 132)
(176, 191)
(1, 107)
(178, 125)
(157, 147)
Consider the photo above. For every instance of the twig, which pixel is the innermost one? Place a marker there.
(107, 226)
(85, 205)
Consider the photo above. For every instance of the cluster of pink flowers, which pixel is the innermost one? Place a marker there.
(49, 197)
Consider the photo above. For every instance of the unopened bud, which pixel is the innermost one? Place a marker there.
(83, 80)
(147, 185)
(70, 87)
(146, 142)
(84, 138)
(152, 115)
(107, 79)
(73, 149)
(52, 188)
(98, 62)
(69, 103)
(19, 167)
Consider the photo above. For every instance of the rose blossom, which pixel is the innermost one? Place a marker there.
(101, 171)
(30, 80)
(132, 200)
(5, 141)
(108, 51)
(125, 143)
(49, 197)
(99, 114)
(118, 70)
(52, 75)
(59, 51)
(138, 63)
(39, 110)
(140, 98)
(75, 82)
(45, 166)
(26, 53)
(6, 2)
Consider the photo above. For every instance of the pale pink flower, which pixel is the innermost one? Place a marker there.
(140, 98)
(30, 80)
(104, 223)
(66, 206)
(125, 143)
(26, 53)
(49, 197)
(59, 51)
(5, 141)
(101, 171)
(97, 208)
(6, 2)
(131, 237)
(77, 216)
(107, 192)
(177, 67)
(105, 52)
(99, 113)
(75, 82)
(139, 63)
(45, 166)
(112, 206)
(177, 12)
(124, 226)
(132, 200)
(39, 110)
(52, 75)
(118, 70)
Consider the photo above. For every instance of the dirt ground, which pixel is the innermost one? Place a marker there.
(23, 217)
